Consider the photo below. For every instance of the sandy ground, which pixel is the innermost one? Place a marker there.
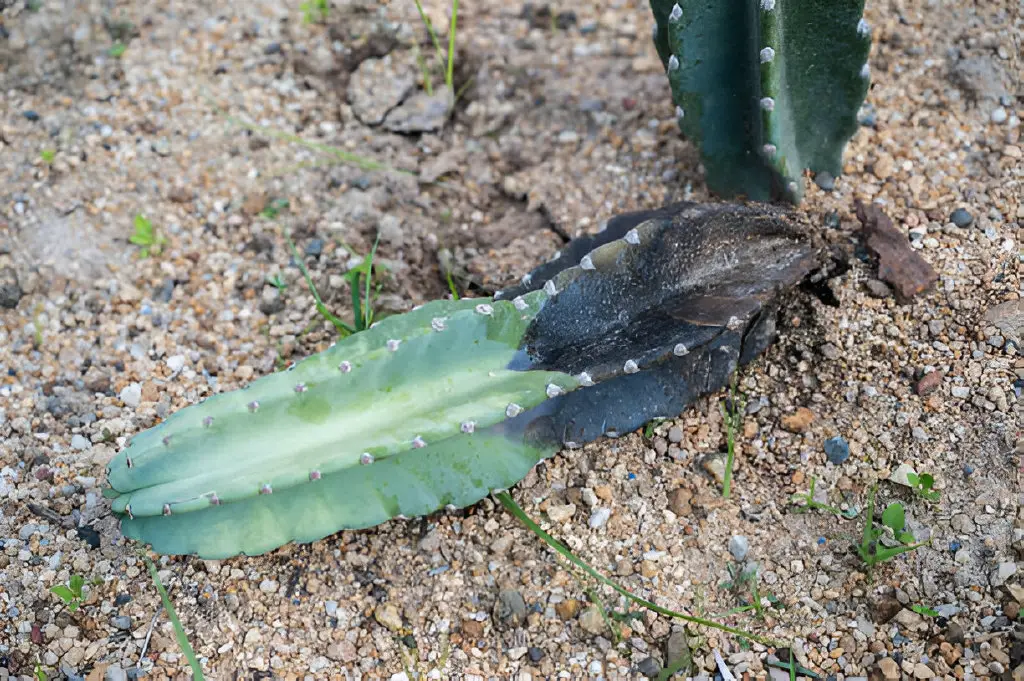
(556, 129)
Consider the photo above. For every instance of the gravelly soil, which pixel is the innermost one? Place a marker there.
(556, 128)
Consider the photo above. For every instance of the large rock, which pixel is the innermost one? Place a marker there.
(378, 86)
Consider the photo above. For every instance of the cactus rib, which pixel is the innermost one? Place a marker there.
(765, 88)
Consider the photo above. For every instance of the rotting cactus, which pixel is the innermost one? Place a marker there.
(765, 88)
(442, 405)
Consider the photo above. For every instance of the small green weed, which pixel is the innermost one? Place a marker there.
(744, 577)
(924, 610)
(359, 278)
(117, 49)
(48, 156)
(147, 236)
(412, 666)
(315, 11)
(893, 519)
(277, 282)
(732, 412)
(274, 209)
(449, 65)
(651, 425)
(922, 485)
(71, 593)
(38, 672)
(790, 665)
(809, 503)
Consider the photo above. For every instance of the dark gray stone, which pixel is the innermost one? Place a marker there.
(961, 218)
(10, 289)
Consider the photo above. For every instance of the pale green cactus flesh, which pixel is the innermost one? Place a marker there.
(765, 88)
(427, 385)
(452, 473)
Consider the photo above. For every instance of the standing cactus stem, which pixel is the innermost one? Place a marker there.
(765, 88)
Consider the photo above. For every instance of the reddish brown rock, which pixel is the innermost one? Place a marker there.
(898, 264)
(929, 383)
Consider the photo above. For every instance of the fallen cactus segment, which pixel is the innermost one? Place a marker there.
(443, 405)
(765, 88)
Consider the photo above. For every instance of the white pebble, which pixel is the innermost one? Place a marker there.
(599, 517)
(131, 395)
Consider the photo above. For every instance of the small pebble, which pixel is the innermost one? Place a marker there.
(599, 517)
(961, 218)
(739, 547)
(837, 450)
(510, 609)
(131, 395)
(122, 622)
(825, 181)
(315, 247)
(649, 667)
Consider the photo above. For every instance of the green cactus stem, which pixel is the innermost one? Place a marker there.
(765, 88)
(340, 439)
(440, 406)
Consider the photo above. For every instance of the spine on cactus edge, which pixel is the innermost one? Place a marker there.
(765, 88)
(440, 406)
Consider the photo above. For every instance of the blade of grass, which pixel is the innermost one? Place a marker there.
(425, 71)
(430, 29)
(512, 507)
(368, 309)
(732, 422)
(179, 631)
(449, 77)
(361, 162)
(452, 287)
(596, 599)
(343, 328)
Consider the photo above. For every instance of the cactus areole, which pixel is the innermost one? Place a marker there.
(438, 407)
(765, 88)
